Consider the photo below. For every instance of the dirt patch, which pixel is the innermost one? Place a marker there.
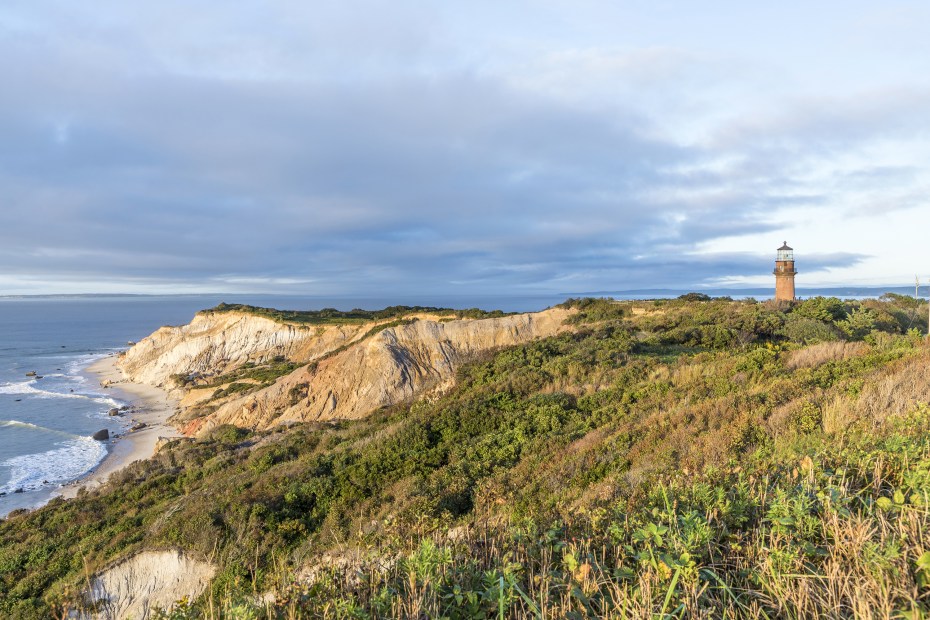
(136, 586)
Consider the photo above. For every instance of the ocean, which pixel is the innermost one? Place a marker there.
(46, 420)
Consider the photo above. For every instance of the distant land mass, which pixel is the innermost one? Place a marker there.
(843, 292)
(343, 302)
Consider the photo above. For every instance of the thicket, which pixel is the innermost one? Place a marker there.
(680, 458)
(331, 316)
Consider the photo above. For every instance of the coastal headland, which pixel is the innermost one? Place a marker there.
(251, 367)
(597, 459)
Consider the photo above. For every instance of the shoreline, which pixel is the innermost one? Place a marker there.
(149, 405)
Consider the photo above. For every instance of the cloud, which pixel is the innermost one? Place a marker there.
(830, 122)
(363, 146)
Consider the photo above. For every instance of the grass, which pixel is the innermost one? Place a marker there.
(690, 459)
(839, 532)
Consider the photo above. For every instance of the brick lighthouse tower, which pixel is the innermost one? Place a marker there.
(784, 274)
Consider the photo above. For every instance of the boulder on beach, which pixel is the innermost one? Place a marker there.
(114, 412)
(139, 426)
(101, 435)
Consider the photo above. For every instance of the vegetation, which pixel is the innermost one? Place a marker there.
(677, 458)
(331, 316)
(260, 374)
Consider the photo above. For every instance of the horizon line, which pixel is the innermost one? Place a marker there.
(625, 292)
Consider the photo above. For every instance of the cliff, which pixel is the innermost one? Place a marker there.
(339, 371)
(137, 585)
(214, 343)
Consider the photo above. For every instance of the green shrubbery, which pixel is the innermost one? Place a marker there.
(687, 458)
(331, 316)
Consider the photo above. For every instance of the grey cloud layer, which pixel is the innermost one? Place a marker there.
(150, 157)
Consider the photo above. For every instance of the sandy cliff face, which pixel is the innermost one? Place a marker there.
(392, 366)
(350, 376)
(217, 342)
(148, 580)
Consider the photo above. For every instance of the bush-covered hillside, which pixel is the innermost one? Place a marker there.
(682, 458)
(331, 316)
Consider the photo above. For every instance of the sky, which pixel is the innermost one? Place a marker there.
(353, 147)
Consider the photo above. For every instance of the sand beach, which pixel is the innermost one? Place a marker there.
(149, 405)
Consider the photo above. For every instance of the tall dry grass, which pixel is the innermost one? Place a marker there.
(903, 386)
(818, 354)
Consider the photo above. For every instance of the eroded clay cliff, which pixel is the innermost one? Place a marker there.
(214, 343)
(347, 372)
(138, 585)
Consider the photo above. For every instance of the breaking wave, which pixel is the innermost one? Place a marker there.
(74, 458)
(34, 427)
(28, 388)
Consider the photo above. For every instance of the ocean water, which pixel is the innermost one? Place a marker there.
(46, 421)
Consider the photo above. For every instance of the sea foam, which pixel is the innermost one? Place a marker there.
(28, 388)
(74, 457)
(35, 427)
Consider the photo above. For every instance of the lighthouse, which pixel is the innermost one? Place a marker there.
(784, 273)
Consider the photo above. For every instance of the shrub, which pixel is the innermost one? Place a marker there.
(860, 322)
(805, 330)
(827, 309)
(672, 462)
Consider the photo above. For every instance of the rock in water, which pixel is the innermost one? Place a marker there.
(114, 412)
(101, 435)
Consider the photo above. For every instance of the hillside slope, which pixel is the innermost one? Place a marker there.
(686, 459)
